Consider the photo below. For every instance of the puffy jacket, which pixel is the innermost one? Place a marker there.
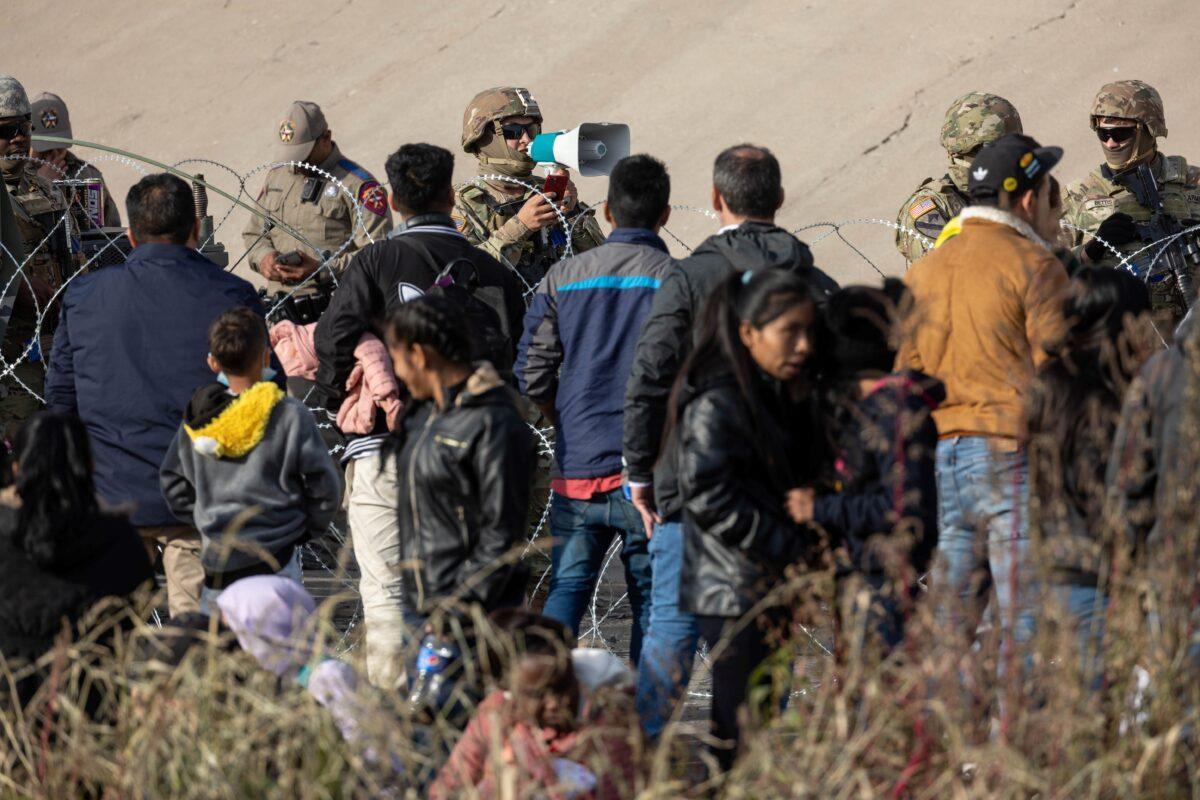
(985, 306)
(667, 337)
(738, 536)
(885, 477)
(1155, 455)
(580, 333)
(107, 560)
(129, 351)
(464, 474)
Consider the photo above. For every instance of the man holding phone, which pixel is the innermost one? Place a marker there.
(510, 220)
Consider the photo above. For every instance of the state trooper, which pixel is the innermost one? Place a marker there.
(313, 206)
(509, 220)
(973, 120)
(50, 117)
(1128, 118)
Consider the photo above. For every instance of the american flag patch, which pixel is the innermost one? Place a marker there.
(921, 208)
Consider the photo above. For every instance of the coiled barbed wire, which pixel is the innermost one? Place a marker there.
(598, 612)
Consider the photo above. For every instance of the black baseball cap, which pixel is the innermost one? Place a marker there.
(1010, 164)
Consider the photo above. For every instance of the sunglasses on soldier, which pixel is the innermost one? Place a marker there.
(9, 130)
(514, 130)
(1118, 135)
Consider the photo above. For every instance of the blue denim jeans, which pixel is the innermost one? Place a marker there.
(1085, 607)
(983, 541)
(583, 530)
(666, 664)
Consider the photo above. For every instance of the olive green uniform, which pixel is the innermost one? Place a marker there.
(327, 222)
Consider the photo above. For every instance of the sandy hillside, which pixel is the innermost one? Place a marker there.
(850, 94)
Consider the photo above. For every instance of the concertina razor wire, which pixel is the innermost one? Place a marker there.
(322, 554)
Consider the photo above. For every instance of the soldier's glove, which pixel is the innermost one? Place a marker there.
(1116, 230)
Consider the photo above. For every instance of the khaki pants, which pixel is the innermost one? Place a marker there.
(181, 562)
(375, 536)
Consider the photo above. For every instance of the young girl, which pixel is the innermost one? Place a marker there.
(744, 438)
(882, 514)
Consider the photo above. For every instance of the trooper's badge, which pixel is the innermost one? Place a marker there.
(373, 198)
(286, 131)
(49, 119)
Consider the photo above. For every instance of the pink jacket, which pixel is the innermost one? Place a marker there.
(372, 383)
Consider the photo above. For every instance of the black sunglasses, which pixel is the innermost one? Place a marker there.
(11, 129)
(1118, 135)
(513, 130)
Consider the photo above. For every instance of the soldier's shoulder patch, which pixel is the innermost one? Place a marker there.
(921, 207)
(373, 197)
(930, 223)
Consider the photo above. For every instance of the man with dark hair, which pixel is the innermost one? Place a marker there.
(573, 362)
(425, 249)
(986, 304)
(747, 192)
(130, 348)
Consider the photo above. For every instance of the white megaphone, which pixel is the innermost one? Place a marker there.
(593, 148)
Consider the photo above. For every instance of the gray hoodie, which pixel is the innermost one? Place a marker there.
(252, 473)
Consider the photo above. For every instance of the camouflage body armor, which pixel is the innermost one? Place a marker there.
(972, 121)
(1103, 192)
(486, 210)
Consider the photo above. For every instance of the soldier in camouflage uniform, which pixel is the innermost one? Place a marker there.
(509, 221)
(972, 121)
(38, 208)
(1128, 118)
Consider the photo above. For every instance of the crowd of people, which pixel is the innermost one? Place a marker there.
(734, 418)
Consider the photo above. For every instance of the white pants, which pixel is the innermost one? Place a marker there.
(375, 536)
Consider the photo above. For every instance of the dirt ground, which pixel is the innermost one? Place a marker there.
(849, 93)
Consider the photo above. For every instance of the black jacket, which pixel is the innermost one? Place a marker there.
(384, 275)
(884, 481)
(464, 475)
(38, 599)
(738, 537)
(667, 337)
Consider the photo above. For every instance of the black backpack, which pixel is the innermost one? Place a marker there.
(482, 307)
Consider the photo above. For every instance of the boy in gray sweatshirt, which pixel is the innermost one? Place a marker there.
(248, 467)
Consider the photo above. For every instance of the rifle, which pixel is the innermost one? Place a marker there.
(1183, 253)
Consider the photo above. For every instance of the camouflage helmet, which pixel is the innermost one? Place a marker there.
(13, 100)
(978, 118)
(494, 104)
(1131, 100)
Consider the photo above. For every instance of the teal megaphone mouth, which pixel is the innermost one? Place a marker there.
(541, 149)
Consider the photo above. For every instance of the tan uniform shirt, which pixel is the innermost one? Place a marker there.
(327, 222)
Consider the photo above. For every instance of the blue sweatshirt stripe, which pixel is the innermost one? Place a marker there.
(613, 282)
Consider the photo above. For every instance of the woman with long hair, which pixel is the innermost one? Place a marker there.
(61, 553)
(743, 438)
(1071, 414)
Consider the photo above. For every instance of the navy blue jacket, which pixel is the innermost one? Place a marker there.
(129, 351)
(580, 333)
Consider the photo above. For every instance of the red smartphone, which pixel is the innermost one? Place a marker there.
(556, 184)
